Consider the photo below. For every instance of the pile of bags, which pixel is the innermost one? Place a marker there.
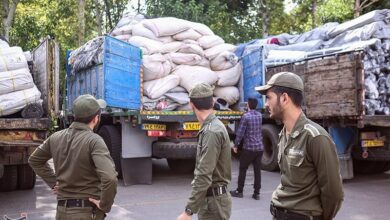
(369, 33)
(178, 54)
(17, 88)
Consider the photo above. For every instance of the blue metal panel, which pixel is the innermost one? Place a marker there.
(117, 80)
(343, 138)
(253, 69)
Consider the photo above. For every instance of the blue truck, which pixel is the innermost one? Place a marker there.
(135, 136)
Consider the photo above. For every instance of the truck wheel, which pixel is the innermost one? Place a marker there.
(270, 142)
(370, 167)
(9, 181)
(113, 138)
(26, 177)
(181, 165)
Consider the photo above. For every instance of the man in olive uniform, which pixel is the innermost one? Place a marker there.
(85, 179)
(209, 197)
(311, 186)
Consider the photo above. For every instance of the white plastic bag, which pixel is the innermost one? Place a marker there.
(158, 87)
(201, 28)
(155, 66)
(191, 48)
(166, 26)
(15, 80)
(125, 37)
(124, 30)
(229, 77)
(171, 47)
(230, 94)
(12, 58)
(179, 97)
(192, 75)
(15, 101)
(140, 30)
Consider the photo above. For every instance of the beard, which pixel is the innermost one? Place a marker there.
(276, 112)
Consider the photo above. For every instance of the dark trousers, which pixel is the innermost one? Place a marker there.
(246, 158)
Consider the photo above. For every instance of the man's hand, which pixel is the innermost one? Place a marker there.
(96, 202)
(235, 149)
(55, 189)
(184, 216)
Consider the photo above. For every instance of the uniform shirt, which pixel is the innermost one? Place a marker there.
(82, 162)
(249, 130)
(213, 161)
(310, 178)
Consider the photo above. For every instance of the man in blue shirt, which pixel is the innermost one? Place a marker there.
(249, 131)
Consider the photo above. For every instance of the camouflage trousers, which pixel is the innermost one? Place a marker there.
(216, 208)
(75, 213)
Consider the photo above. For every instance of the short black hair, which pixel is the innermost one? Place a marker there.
(295, 95)
(252, 103)
(87, 120)
(205, 103)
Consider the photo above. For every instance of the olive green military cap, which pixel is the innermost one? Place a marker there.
(285, 79)
(86, 106)
(201, 90)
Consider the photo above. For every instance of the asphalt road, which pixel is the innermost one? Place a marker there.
(366, 198)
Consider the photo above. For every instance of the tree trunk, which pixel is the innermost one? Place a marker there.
(356, 9)
(359, 6)
(81, 22)
(313, 13)
(108, 14)
(98, 18)
(7, 13)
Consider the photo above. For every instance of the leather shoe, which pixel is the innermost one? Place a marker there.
(256, 196)
(236, 193)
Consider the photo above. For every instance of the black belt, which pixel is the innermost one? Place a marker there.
(80, 203)
(285, 214)
(219, 190)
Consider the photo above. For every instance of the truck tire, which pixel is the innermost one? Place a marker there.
(9, 181)
(269, 161)
(370, 167)
(26, 177)
(171, 150)
(181, 165)
(113, 138)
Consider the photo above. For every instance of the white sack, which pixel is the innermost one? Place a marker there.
(124, 30)
(15, 101)
(192, 75)
(12, 58)
(223, 61)
(201, 28)
(191, 48)
(166, 39)
(124, 37)
(3, 44)
(151, 46)
(177, 89)
(230, 94)
(211, 53)
(187, 34)
(229, 77)
(204, 62)
(184, 58)
(140, 30)
(166, 26)
(188, 41)
(207, 42)
(160, 104)
(179, 97)
(171, 47)
(158, 87)
(155, 66)
(15, 80)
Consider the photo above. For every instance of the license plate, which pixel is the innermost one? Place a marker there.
(373, 143)
(154, 127)
(191, 126)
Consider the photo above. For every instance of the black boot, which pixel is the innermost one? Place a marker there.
(236, 193)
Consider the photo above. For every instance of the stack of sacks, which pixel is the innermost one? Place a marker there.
(178, 54)
(17, 88)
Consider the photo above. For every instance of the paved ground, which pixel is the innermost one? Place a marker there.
(367, 197)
